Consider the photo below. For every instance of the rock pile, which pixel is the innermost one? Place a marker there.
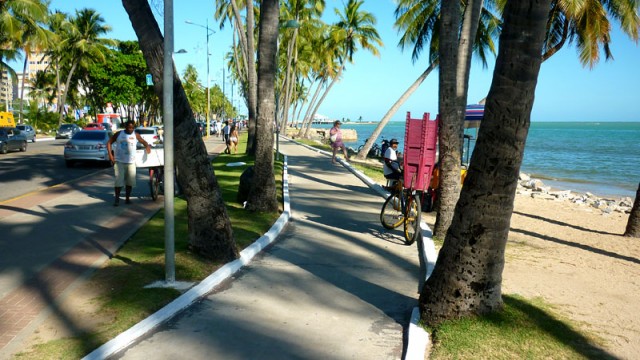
(536, 189)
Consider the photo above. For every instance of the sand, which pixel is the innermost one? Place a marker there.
(574, 257)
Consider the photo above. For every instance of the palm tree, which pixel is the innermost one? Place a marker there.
(468, 274)
(355, 29)
(262, 195)
(82, 45)
(210, 233)
(32, 15)
(420, 21)
(633, 224)
(194, 91)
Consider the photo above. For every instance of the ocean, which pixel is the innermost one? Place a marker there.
(598, 157)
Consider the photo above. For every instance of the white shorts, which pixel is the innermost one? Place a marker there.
(125, 174)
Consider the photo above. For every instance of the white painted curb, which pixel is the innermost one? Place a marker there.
(127, 338)
(418, 339)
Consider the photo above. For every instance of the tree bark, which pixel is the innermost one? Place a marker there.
(252, 80)
(467, 278)
(633, 225)
(453, 98)
(262, 196)
(210, 233)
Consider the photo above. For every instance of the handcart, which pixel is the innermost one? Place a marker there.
(154, 161)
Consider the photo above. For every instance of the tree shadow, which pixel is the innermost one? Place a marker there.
(556, 222)
(577, 245)
(549, 324)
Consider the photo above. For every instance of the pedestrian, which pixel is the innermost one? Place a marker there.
(391, 168)
(233, 138)
(124, 158)
(335, 137)
(226, 130)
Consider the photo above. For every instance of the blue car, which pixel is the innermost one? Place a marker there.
(12, 139)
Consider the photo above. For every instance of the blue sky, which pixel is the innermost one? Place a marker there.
(566, 91)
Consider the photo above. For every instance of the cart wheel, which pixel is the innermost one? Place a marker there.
(154, 183)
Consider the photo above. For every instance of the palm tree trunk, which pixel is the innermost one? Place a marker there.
(252, 80)
(63, 97)
(24, 73)
(210, 233)
(405, 96)
(633, 224)
(467, 278)
(262, 195)
(324, 95)
(452, 109)
(308, 117)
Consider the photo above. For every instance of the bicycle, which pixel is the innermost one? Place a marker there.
(402, 207)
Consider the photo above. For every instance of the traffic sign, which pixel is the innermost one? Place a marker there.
(149, 80)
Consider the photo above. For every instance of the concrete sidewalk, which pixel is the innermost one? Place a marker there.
(335, 285)
(52, 239)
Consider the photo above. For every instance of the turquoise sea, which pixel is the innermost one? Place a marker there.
(598, 157)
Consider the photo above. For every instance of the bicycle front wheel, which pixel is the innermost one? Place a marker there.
(391, 215)
(154, 183)
(412, 219)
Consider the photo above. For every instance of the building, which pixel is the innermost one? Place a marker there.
(6, 91)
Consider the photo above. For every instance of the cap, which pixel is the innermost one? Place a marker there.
(393, 141)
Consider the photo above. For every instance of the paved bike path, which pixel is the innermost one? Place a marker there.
(335, 285)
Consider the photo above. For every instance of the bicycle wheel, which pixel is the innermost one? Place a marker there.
(391, 215)
(154, 183)
(412, 219)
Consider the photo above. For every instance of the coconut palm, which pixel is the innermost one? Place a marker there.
(262, 195)
(355, 29)
(82, 45)
(194, 91)
(468, 274)
(420, 22)
(633, 224)
(210, 233)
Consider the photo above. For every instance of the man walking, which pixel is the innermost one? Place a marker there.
(125, 159)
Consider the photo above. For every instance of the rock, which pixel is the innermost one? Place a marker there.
(524, 177)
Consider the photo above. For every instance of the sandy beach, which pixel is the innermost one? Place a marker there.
(574, 257)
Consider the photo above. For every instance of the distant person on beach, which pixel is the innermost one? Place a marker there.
(391, 167)
(335, 136)
(125, 159)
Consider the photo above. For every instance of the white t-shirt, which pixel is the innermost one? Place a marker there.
(390, 154)
(125, 149)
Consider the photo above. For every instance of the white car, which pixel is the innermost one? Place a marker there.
(150, 135)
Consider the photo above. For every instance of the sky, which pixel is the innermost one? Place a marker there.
(566, 90)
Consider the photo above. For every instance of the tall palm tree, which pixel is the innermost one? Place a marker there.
(633, 224)
(468, 274)
(32, 16)
(262, 195)
(355, 29)
(82, 45)
(420, 22)
(210, 233)
(194, 91)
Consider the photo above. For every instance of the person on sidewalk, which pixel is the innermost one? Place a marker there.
(233, 139)
(226, 131)
(391, 167)
(335, 137)
(125, 159)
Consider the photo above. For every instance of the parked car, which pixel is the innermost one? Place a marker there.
(88, 145)
(149, 134)
(12, 139)
(66, 131)
(28, 132)
(202, 127)
(97, 126)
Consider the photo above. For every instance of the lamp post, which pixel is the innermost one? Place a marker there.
(209, 33)
(167, 95)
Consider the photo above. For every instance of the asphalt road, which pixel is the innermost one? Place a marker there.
(40, 167)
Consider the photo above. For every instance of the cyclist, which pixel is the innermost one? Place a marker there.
(391, 167)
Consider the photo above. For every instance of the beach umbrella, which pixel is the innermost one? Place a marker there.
(473, 115)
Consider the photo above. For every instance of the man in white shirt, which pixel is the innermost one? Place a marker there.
(391, 167)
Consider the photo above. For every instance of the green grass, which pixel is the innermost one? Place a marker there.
(123, 301)
(524, 329)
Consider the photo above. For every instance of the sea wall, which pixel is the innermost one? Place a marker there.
(323, 134)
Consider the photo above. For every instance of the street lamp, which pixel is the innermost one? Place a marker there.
(209, 33)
